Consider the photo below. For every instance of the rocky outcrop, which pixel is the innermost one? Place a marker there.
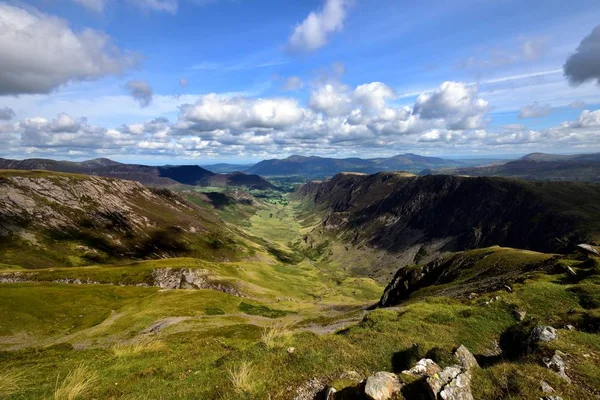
(540, 334)
(164, 278)
(382, 386)
(187, 278)
(557, 364)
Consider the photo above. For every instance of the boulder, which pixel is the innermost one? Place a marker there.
(458, 388)
(540, 334)
(382, 386)
(436, 382)
(557, 364)
(424, 367)
(465, 357)
(546, 388)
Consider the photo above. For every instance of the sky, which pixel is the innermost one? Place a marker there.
(203, 81)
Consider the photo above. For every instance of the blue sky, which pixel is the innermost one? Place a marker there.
(197, 81)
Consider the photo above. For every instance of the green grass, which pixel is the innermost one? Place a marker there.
(48, 330)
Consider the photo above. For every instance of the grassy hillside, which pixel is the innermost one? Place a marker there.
(277, 312)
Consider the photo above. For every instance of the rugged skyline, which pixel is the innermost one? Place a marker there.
(168, 81)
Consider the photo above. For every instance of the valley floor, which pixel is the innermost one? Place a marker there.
(293, 317)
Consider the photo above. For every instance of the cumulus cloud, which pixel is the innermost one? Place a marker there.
(584, 64)
(456, 103)
(293, 83)
(534, 110)
(140, 91)
(314, 31)
(6, 114)
(586, 119)
(38, 53)
(213, 112)
(331, 99)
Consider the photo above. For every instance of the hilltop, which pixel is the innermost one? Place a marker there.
(541, 166)
(321, 167)
(145, 174)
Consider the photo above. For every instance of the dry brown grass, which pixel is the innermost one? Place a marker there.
(241, 377)
(10, 381)
(271, 333)
(131, 349)
(76, 384)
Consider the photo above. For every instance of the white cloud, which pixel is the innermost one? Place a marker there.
(213, 112)
(331, 99)
(313, 32)
(586, 119)
(140, 91)
(535, 110)
(455, 102)
(38, 53)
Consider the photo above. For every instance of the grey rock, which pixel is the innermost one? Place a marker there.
(551, 398)
(424, 367)
(436, 382)
(557, 364)
(310, 389)
(546, 388)
(465, 357)
(588, 249)
(382, 386)
(458, 388)
(541, 334)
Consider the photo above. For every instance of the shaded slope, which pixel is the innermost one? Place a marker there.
(540, 166)
(51, 219)
(448, 213)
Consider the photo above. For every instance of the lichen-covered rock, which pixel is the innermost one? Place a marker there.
(382, 386)
(465, 357)
(546, 388)
(188, 278)
(436, 382)
(310, 389)
(458, 388)
(424, 367)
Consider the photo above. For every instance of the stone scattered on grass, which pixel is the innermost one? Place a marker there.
(557, 364)
(540, 334)
(546, 388)
(382, 386)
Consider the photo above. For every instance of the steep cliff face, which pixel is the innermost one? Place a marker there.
(434, 214)
(63, 219)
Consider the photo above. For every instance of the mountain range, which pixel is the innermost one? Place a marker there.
(145, 174)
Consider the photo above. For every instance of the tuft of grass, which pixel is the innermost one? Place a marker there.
(10, 381)
(271, 333)
(132, 349)
(241, 377)
(76, 384)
